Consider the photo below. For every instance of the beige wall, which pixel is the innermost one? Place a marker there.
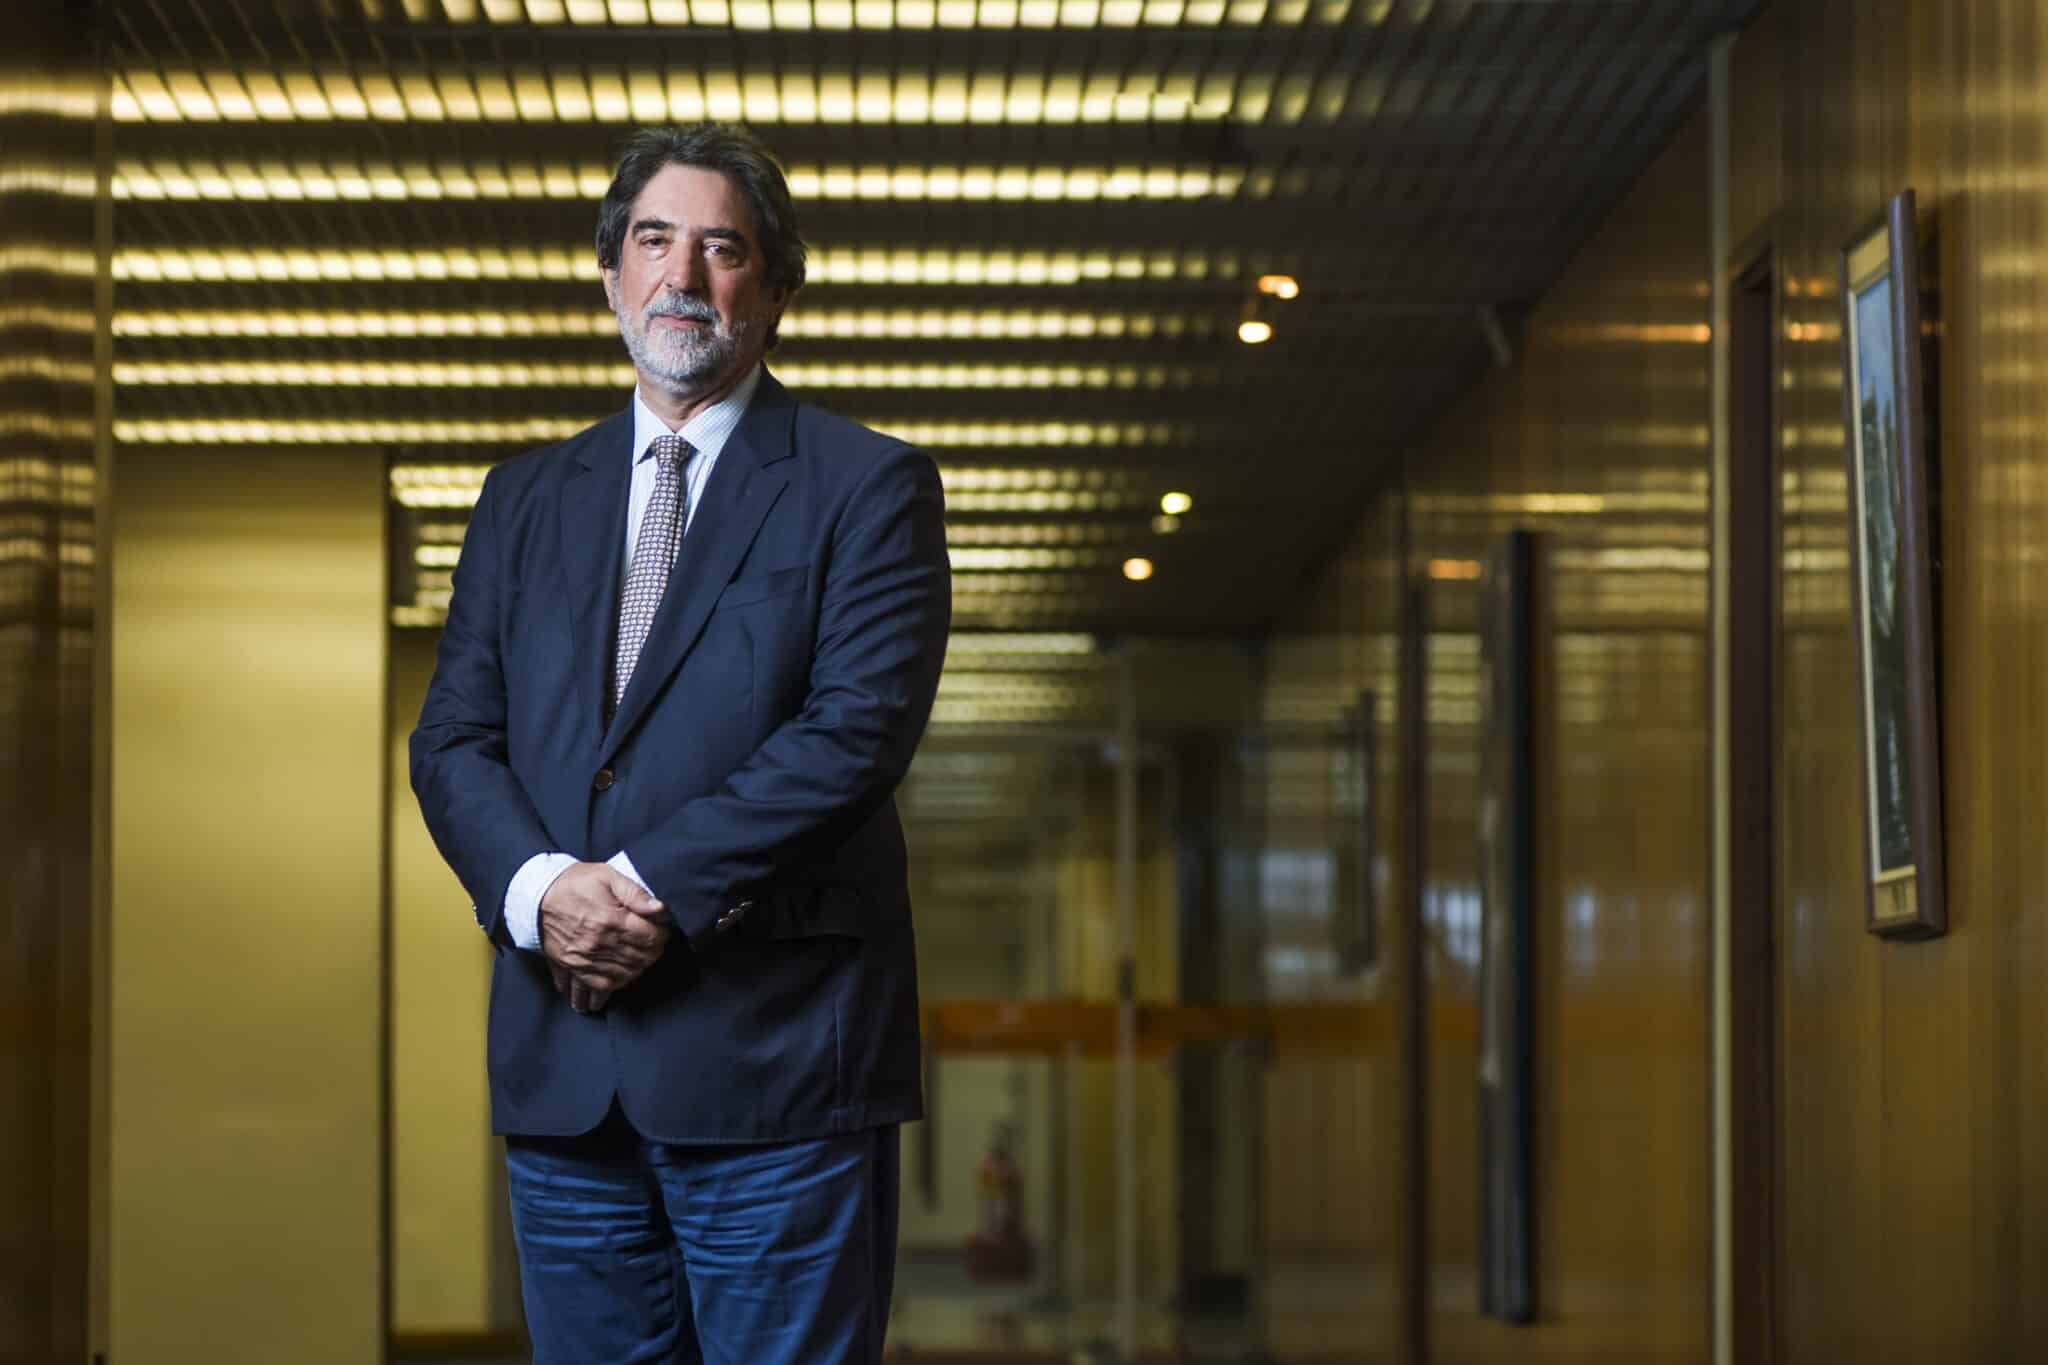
(247, 1122)
(446, 1225)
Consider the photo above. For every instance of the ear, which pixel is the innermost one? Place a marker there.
(611, 287)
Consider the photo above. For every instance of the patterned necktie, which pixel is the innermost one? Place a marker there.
(654, 551)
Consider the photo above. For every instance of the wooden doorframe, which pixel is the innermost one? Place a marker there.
(1754, 739)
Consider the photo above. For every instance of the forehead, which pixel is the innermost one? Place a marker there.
(693, 197)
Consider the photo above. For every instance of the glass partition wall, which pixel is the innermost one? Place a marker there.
(1098, 1175)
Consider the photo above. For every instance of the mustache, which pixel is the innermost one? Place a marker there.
(683, 306)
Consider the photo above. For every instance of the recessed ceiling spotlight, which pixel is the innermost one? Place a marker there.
(1279, 286)
(1174, 504)
(1253, 332)
(1165, 525)
(1137, 570)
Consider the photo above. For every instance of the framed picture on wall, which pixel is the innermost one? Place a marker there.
(1507, 914)
(1354, 818)
(1893, 555)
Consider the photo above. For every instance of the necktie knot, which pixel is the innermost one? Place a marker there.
(669, 451)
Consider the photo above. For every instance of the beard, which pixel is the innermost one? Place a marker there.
(682, 360)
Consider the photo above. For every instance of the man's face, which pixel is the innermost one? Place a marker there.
(690, 291)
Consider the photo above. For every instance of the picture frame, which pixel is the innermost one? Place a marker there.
(1354, 919)
(1894, 565)
(1507, 952)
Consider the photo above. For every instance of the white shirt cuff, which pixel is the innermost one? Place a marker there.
(523, 896)
(620, 863)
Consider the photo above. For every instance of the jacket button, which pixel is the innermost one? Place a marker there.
(603, 780)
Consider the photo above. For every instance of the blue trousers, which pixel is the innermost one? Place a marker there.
(635, 1252)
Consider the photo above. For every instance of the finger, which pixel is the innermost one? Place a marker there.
(634, 896)
(640, 934)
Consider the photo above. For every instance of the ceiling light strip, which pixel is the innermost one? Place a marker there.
(1014, 642)
(533, 430)
(847, 324)
(73, 100)
(35, 258)
(982, 561)
(34, 316)
(955, 478)
(462, 374)
(999, 533)
(972, 536)
(1008, 560)
(1188, 92)
(828, 265)
(802, 16)
(68, 182)
(201, 181)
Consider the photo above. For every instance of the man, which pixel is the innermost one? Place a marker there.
(689, 654)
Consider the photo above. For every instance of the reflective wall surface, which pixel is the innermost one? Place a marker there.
(1910, 1182)
(48, 525)
(1915, 1178)
(1596, 437)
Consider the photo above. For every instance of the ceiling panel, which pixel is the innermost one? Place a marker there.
(1036, 228)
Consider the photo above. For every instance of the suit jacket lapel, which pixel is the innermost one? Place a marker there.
(742, 488)
(593, 531)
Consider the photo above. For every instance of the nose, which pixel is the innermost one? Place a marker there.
(685, 272)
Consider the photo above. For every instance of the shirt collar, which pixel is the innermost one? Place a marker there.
(707, 431)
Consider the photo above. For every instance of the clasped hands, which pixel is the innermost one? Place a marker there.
(599, 930)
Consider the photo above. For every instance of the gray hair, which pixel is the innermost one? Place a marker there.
(734, 153)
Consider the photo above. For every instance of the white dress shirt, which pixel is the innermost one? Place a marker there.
(707, 433)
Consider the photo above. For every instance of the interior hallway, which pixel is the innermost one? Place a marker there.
(1248, 336)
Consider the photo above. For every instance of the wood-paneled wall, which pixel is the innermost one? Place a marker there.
(1913, 1176)
(49, 500)
(1597, 437)
(1914, 1077)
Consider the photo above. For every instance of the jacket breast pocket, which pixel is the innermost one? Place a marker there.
(762, 587)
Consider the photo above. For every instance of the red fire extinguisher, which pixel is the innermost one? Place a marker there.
(999, 1250)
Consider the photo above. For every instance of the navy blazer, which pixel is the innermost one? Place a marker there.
(751, 767)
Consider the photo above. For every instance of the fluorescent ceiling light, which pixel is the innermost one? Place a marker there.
(1190, 91)
(828, 265)
(846, 324)
(537, 430)
(192, 180)
(914, 15)
(620, 375)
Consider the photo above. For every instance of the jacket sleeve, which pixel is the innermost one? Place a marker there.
(475, 806)
(881, 640)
